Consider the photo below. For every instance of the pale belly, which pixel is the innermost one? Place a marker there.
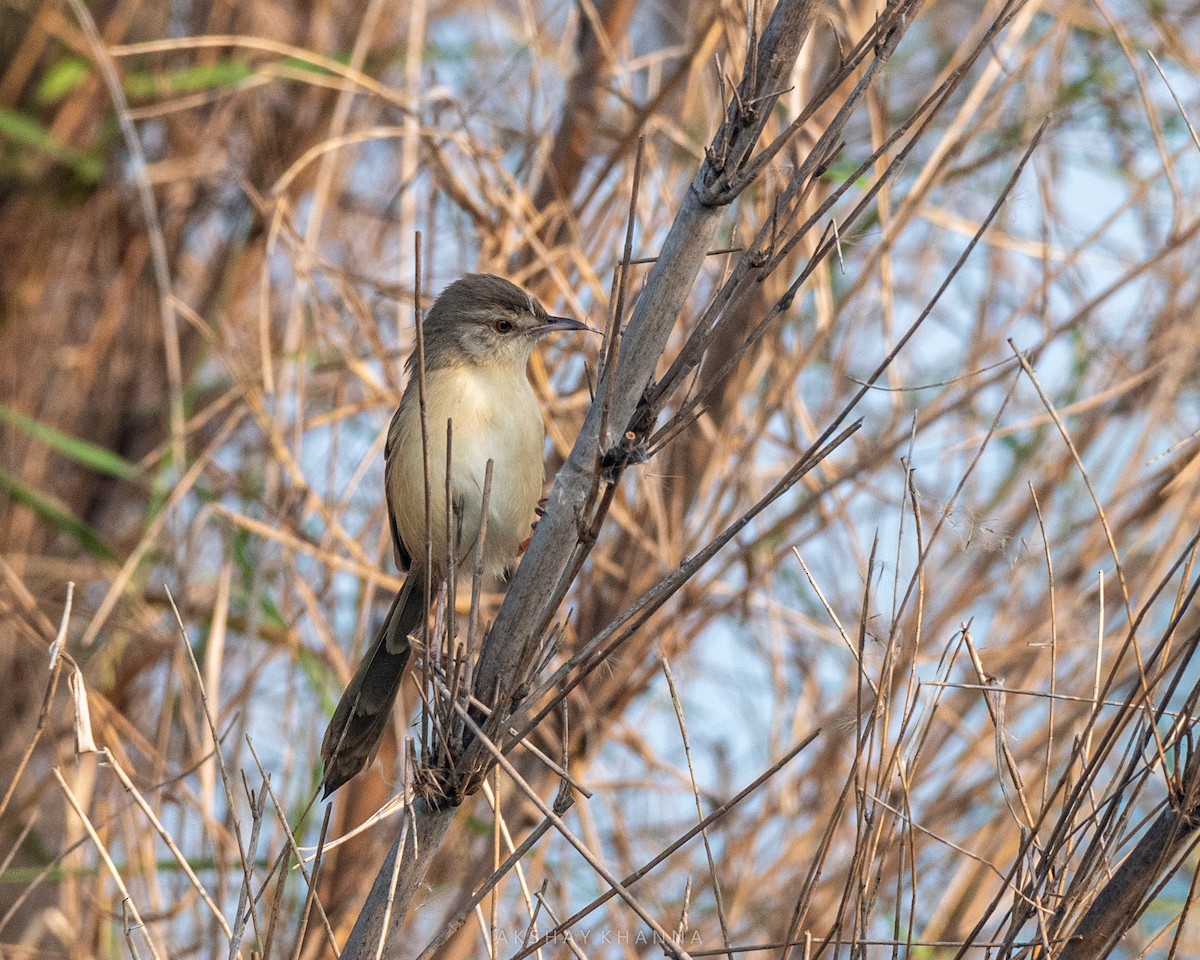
(493, 418)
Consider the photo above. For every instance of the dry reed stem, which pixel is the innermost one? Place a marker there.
(936, 811)
(111, 867)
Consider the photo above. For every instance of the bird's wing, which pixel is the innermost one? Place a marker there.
(403, 554)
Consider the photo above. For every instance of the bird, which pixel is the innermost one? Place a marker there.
(478, 337)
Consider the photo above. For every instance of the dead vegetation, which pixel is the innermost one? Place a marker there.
(861, 621)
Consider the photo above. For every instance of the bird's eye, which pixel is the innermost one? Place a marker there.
(504, 326)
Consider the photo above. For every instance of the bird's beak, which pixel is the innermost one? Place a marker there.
(555, 324)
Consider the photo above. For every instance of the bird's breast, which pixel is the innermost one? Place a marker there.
(493, 416)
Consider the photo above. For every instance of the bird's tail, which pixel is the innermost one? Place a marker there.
(361, 716)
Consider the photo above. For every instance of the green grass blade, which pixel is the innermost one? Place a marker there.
(78, 450)
(196, 79)
(57, 515)
(19, 128)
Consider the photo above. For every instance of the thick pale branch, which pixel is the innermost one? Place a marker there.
(524, 612)
(1124, 897)
(524, 615)
(422, 830)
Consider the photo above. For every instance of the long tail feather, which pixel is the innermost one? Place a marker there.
(362, 715)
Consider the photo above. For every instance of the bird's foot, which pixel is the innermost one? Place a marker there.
(539, 512)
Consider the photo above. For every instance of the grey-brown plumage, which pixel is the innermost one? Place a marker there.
(479, 335)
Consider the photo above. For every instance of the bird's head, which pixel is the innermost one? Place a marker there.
(486, 319)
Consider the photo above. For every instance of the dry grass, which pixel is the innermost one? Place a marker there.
(876, 636)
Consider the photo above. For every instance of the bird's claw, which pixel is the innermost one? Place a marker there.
(539, 511)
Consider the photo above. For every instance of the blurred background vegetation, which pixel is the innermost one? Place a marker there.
(990, 624)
